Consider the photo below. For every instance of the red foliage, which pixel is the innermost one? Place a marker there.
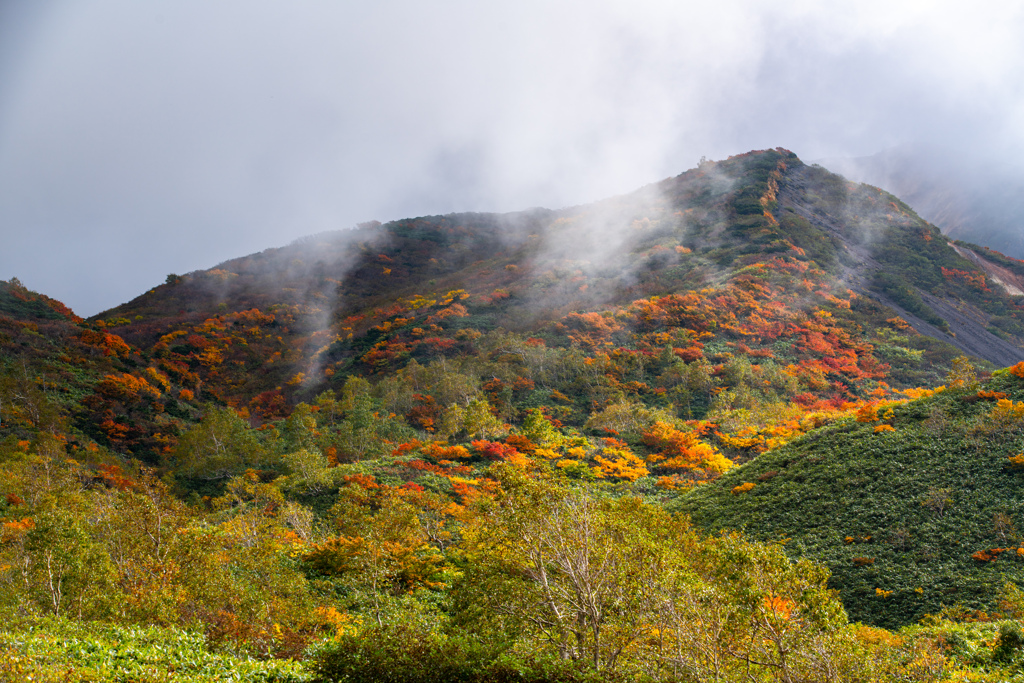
(269, 405)
(365, 481)
(494, 450)
(690, 354)
(425, 414)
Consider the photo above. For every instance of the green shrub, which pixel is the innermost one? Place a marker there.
(404, 654)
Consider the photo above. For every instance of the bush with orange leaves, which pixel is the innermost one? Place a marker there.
(126, 387)
(1005, 415)
(620, 463)
(867, 413)
(684, 452)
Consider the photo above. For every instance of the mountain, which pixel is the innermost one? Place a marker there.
(968, 197)
(392, 440)
(755, 281)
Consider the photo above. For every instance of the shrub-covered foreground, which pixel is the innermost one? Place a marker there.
(492, 564)
(545, 580)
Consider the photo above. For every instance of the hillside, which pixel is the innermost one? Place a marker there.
(755, 284)
(968, 196)
(911, 506)
(379, 440)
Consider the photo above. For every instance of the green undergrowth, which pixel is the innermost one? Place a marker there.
(908, 519)
(58, 650)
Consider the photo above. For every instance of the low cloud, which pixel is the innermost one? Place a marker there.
(141, 139)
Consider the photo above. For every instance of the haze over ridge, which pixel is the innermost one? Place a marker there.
(141, 140)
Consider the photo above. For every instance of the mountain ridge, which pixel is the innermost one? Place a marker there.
(756, 342)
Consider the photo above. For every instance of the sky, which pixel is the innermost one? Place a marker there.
(139, 139)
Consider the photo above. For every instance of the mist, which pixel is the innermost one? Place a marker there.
(138, 140)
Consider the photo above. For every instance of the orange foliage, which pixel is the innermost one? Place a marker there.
(110, 344)
(867, 413)
(621, 463)
(678, 450)
(591, 329)
(987, 555)
(991, 395)
(521, 443)
(15, 529)
(779, 605)
(975, 279)
(439, 451)
(127, 387)
(365, 481)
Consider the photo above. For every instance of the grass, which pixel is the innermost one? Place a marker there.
(898, 516)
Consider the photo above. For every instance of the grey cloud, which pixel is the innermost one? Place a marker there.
(138, 139)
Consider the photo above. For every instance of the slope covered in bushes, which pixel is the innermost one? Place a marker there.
(913, 507)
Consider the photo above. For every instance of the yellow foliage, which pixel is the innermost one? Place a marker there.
(1005, 414)
(742, 488)
(622, 464)
(884, 428)
(870, 635)
(159, 378)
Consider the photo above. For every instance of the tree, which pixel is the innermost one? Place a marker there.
(564, 566)
(219, 447)
(962, 374)
(616, 584)
(381, 548)
(66, 572)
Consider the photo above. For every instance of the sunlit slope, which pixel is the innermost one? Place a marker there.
(759, 218)
(750, 282)
(912, 507)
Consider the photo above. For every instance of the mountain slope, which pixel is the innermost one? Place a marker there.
(648, 341)
(969, 197)
(911, 506)
(755, 284)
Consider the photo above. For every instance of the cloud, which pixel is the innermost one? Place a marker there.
(140, 139)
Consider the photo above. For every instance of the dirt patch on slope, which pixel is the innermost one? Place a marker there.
(1011, 282)
(967, 323)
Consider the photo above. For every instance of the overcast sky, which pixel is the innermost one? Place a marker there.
(143, 138)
